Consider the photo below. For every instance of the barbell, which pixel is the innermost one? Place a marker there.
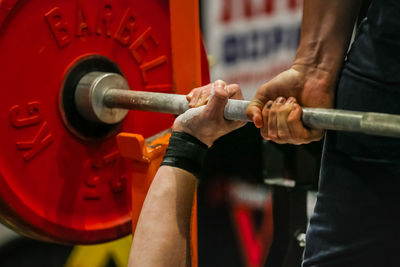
(99, 99)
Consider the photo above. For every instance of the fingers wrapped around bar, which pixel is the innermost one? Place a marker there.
(282, 123)
(205, 119)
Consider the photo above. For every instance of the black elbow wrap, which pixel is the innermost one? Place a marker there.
(185, 152)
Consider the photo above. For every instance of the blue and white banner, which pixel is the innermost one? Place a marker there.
(250, 41)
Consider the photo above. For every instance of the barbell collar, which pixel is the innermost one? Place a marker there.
(89, 97)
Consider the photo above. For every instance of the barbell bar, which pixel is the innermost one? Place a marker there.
(98, 99)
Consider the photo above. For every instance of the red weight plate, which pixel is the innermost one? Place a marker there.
(54, 184)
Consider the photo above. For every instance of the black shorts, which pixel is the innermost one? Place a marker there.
(356, 221)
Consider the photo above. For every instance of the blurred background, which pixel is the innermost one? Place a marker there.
(250, 41)
(255, 198)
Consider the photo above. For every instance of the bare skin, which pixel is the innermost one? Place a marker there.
(311, 81)
(162, 234)
(163, 230)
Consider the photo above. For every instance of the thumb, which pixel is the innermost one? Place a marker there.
(263, 95)
(254, 109)
(219, 97)
(253, 112)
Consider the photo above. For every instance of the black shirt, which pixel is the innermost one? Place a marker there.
(379, 42)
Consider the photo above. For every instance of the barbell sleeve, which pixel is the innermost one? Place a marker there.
(330, 119)
(352, 121)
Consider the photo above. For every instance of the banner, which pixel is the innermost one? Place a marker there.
(250, 41)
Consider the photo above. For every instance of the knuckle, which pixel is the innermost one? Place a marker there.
(283, 134)
(219, 81)
(318, 138)
(264, 133)
(304, 142)
(220, 93)
(195, 95)
(265, 112)
(273, 135)
(196, 90)
(278, 141)
(297, 136)
(235, 88)
(299, 142)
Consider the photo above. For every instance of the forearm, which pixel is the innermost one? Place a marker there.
(162, 234)
(326, 32)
